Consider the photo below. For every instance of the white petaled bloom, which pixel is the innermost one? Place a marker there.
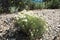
(16, 15)
(25, 20)
(45, 27)
(29, 13)
(24, 11)
(22, 16)
(17, 18)
(31, 34)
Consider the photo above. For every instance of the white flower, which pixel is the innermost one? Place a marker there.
(16, 15)
(46, 28)
(17, 18)
(31, 34)
(25, 20)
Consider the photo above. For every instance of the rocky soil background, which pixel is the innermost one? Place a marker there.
(53, 19)
(7, 29)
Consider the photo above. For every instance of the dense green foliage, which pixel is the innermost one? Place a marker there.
(32, 26)
(53, 4)
(11, 5)
(18, 5)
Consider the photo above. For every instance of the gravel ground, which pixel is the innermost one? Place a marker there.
(53, 19)
(51, 16)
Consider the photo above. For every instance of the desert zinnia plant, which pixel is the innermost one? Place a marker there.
(33, 26)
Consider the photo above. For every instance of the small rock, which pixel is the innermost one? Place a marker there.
(58, 26)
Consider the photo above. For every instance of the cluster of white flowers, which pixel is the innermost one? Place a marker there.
(22, 14)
